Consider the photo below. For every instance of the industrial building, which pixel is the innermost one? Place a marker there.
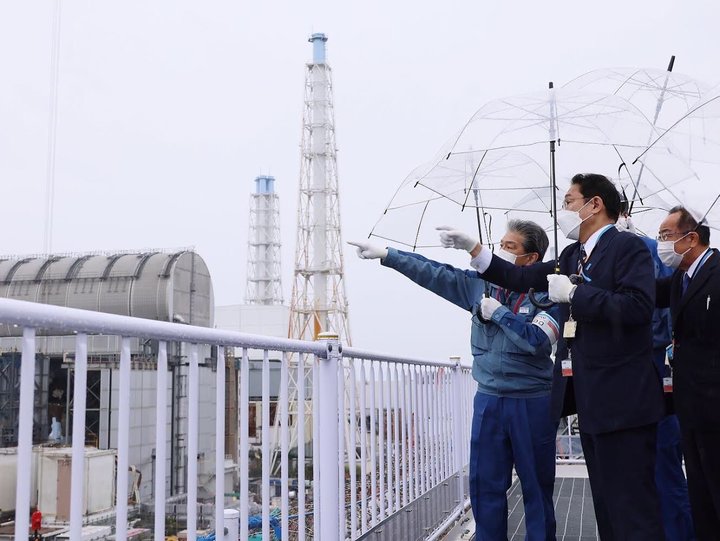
(165, 286)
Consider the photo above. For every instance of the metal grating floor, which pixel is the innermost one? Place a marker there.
(574, 511)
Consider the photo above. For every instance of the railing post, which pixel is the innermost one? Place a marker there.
(192, 442)
(77, 484)
(328, 500)
(160, 440)
(123, 446)
(459, 439)
(220, 444)
(25, 435)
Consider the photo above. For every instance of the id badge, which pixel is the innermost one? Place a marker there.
(668, 384)
(566, 367)
(569, 328)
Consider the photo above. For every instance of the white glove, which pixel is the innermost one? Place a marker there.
(453, 238)
(624, 223)
(560, 288)
(365, 250)
(488, 306)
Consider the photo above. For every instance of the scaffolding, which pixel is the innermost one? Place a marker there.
(10, 399)
(318, 301)
(264, 284)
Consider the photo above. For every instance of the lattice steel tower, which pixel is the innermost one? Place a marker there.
(318, 301)
(263, 278)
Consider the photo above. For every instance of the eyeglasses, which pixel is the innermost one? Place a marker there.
(569, 202)
(668, 235)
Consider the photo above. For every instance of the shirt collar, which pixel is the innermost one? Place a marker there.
(594, 238)
(697, 263)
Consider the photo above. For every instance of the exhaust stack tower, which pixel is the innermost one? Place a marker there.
(264, 284)
(318, 300)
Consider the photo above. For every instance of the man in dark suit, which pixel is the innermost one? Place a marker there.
(604, 368)
(693, 295)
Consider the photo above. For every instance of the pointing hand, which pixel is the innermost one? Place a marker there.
(365, 250)
(454, 238)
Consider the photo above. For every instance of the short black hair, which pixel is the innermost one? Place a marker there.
(688, 224)
(594, 185)
(534, 237)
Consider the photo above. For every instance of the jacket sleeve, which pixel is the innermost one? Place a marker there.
(462, 288)
(632, 300)
(535, 337)
(516, 278)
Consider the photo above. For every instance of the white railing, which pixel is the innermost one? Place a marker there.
(568, 448)
(416, 443)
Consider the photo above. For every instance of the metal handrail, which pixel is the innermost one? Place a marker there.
(61, 319)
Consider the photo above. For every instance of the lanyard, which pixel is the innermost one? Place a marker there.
(705, 257)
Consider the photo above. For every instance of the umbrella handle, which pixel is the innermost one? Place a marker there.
(538, 303)
(486, 294)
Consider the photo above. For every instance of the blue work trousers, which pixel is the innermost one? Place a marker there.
(671, 483)
(669, 476)
(506, 432)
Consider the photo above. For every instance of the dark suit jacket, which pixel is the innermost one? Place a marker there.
(615, 384)
(696, 331)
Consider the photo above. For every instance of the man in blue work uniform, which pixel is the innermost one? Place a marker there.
(669, 476)
(604, 370)
(511, 345)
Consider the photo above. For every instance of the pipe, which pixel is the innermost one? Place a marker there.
(448, 522)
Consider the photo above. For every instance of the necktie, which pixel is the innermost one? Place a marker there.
(685, 282)
(582, 259)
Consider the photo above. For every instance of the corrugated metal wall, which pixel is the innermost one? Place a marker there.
(161, 286)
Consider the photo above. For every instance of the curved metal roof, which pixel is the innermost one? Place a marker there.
(162, 286)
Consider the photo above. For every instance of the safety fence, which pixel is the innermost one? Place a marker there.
(360, 444)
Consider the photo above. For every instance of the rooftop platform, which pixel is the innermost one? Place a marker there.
(574, 512)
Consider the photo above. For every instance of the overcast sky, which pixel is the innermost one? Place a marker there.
(167, 111)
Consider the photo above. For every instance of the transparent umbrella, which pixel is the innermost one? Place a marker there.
(663, 96)
(695, 140)
(508, 184)
(595, 131)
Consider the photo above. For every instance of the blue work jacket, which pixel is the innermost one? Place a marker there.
(661, 322)
(511, 355)
(614, 384)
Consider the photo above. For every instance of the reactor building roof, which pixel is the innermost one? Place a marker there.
(173, 286)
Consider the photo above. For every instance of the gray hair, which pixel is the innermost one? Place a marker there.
(534, 237)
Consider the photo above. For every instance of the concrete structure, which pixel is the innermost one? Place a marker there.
(268, 320)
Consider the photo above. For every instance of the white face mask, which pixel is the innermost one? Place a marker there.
(569, 222)
(506, 256)
(668, 255)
